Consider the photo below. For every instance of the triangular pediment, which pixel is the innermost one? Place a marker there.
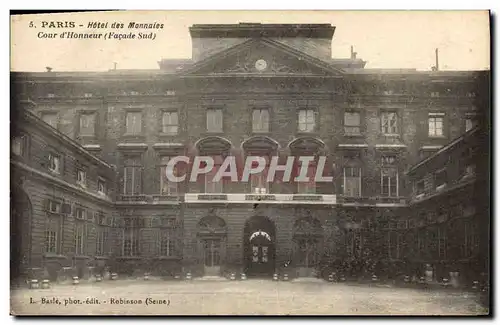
(263, 57)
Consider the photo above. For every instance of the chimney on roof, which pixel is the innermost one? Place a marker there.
(114, 65)
(49, 69)
(353, 54)
(436, 67)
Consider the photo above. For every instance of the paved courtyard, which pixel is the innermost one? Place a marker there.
(251, 297)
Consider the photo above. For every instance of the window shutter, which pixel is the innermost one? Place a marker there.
(66, 208)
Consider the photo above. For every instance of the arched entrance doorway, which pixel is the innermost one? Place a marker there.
(212, 232)
(259, 246)
(20, 233)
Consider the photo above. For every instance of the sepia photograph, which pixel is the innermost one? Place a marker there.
(180, 163)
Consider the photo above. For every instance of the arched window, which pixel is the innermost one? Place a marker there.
(218, 148)
(266, 148)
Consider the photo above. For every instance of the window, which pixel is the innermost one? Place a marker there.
(214, 120)
(389, 181)
(103, 246)
(308, 187)
(167, 187)
(306, 120)
(435, 94)
(389, 177)
(352, 181)
(260, 120)
(436, 124)
(440, 178)
(102, 239)
(80, 213)
(18, 145)
(419, 187)
(52, 235)
(471, 244)
(352, 123)
(101, 186)
(87, 95)
(212, 186)
(54, 207)
(54, 163)
(442, 242)
(388, 160)
(389, 123)
(132, 176)
(50, 119)
(170, 123)
(81, 177)
(134, 123)
(131, 237)
(165, 242)
(258, 183)
(87, 124)
(470, 122)
(80, 238)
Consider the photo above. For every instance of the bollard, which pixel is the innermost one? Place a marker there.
(98, 278)
(146, 276)
(75, 280)
(114, 276)
(407, 279)
(243, 276)
(189, 276)
(275, 277)
(285, 277)
(330, 277)
(232, 276)
(34, 284)
(374, 278)
(45, 284)
(475, 285)
(421, 280)
(446, 282)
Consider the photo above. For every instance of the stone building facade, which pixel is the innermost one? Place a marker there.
(450, 206)
(267, 90)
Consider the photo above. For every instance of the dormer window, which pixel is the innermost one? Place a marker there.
(55, 163)
(470, 121)
(81, 177)
(441, 179)
(18, 145)
(420, 187)
(101, 186)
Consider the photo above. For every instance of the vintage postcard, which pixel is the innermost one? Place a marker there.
(250, 163)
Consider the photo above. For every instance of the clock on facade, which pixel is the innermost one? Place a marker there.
(260, 64)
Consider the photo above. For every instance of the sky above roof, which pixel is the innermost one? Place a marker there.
(385, 39)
